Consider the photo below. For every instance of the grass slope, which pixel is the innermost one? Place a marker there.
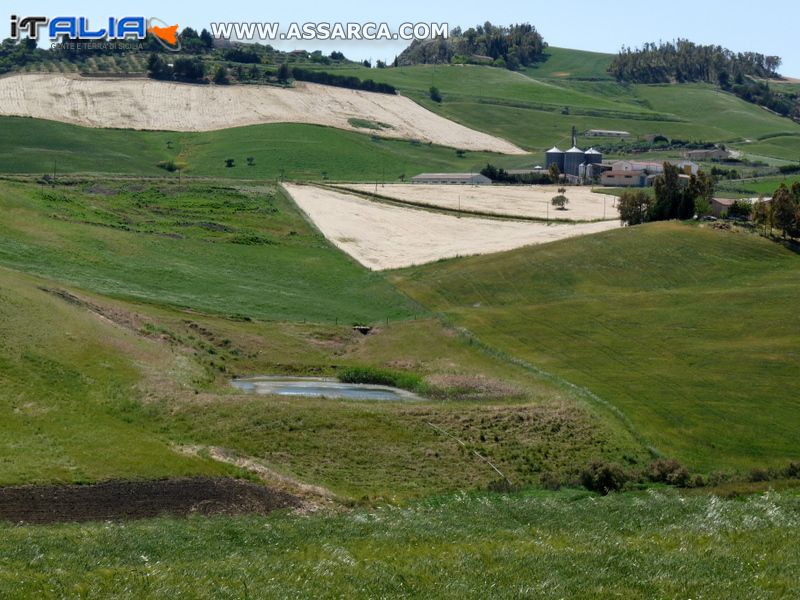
(565, 63)
(537, 108)
(208, 248)
(69, 394)
(690, 331)
(466, 546)
(290, 150)
(98, 389)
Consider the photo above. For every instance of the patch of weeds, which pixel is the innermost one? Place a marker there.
(376, 376)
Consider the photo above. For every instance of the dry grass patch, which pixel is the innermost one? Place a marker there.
(528, 202)
(149, 104)
(381, 236)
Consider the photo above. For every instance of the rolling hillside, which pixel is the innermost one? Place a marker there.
(537, 107)
(534, 110)
(208, 248)
(691, 332)
(163, 106)
(291, 151)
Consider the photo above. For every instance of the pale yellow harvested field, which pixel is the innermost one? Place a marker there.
(383, 236)
(148, 104)
(515, 201)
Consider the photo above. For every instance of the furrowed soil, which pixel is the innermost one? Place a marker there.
(124, 500)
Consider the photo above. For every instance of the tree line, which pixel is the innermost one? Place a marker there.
(504, 46)
(188, 70)
(345, 81)
(782, 212)
(500, 175)
(673, 198)
(685, 61)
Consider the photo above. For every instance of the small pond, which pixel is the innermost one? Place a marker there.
(317, 387)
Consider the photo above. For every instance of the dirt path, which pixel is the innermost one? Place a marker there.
(149, 104)
(383, 236)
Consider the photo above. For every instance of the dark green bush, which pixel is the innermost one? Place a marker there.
(603, 477)
(669, 471)
(792, 471)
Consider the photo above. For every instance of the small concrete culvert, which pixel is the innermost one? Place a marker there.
(123, 500)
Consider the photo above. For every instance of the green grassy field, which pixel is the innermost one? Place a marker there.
(127, 304)
(68, 394)
(689, 331)
(209, 282)
(534, 109)
(537, 107)
(205, 247)
(565, 63)
(651, 545)
(753, 188)
(292, 151)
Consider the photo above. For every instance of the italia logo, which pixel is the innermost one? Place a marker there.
(115, 28)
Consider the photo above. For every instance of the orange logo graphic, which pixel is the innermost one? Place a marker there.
(167, 34)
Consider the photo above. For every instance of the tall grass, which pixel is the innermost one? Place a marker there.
(378, 376)
(565, 545)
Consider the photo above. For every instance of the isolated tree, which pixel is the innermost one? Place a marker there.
(283, 73)
(251, 161)
(435, 94)
(221, 76)
(560, 202)
(762, 214)
(555, 173)
(207, 39)
(784, 210)
(668, 194)
(229, 163)
(157, 68)
(634, 207)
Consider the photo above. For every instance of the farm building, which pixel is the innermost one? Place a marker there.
(720, 207)
(707, 154)
(683, 179)
(534, 171)
(452, 178)
(606, 133)
(626, 178)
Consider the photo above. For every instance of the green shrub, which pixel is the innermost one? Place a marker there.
(168, 165)
(792, 471)
(376, 376)
(759, 474)
(603, 477)
(670, 471)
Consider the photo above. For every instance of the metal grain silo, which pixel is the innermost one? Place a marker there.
(573, 158)
(554, 155)
(593, 157)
